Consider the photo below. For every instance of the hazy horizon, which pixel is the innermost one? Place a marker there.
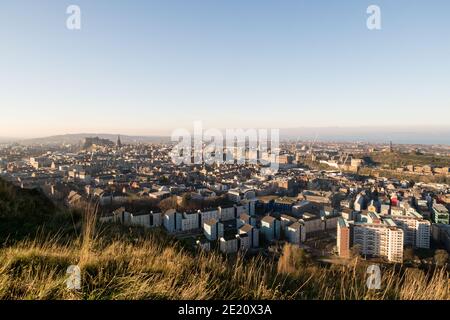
(374, 134)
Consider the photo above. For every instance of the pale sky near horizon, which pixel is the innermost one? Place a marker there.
(147, 67)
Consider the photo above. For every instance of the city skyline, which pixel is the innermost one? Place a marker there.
(147, 68)
(376, 134)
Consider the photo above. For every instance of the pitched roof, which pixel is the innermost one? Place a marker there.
(268, 219)
(246, 228)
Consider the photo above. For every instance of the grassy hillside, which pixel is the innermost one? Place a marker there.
(388, 173)
(25, 212)
(398, 159)
(150, 268)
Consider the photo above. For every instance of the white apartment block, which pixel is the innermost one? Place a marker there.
(359, 203)
(203, 245)
(118, 216)
(208, 215)
(243, 219)
(227, 213)
(293, 233)
(253, 234)
(287, 220)
(244, 241)
(249, 206)
(417, 231)
(190, 221)
(172, 220)
(382, 240)
(270, 228)
(239, 210)
(213, 229)
(228, 244)
(312, 223)
(146, 220)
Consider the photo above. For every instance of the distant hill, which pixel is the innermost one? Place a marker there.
(374, 134)
(79, 137)
(8, 139)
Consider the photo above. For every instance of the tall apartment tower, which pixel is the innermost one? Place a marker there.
(343, 238)
(374, 239)
(382, 240)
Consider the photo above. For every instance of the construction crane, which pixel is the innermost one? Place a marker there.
(310, 146)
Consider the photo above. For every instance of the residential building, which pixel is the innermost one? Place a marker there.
(213, 229)
(416, 230)
(244, 218)
(244, 241)
(359, 203)
(379, 239)
(270, 228)
(343, 238)
(312, 223)
(228, 243)
(172, 221)
(190, 221)
(227, 213)
(440, 213)
(253, 234)
(207, 215)
(293, 233)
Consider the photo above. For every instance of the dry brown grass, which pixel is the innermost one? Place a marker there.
(349, 282)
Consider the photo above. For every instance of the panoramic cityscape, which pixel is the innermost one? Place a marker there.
(225, 151)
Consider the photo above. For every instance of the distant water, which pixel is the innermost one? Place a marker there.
(441, 136)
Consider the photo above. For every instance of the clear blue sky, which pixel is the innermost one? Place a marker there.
(146, 67)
